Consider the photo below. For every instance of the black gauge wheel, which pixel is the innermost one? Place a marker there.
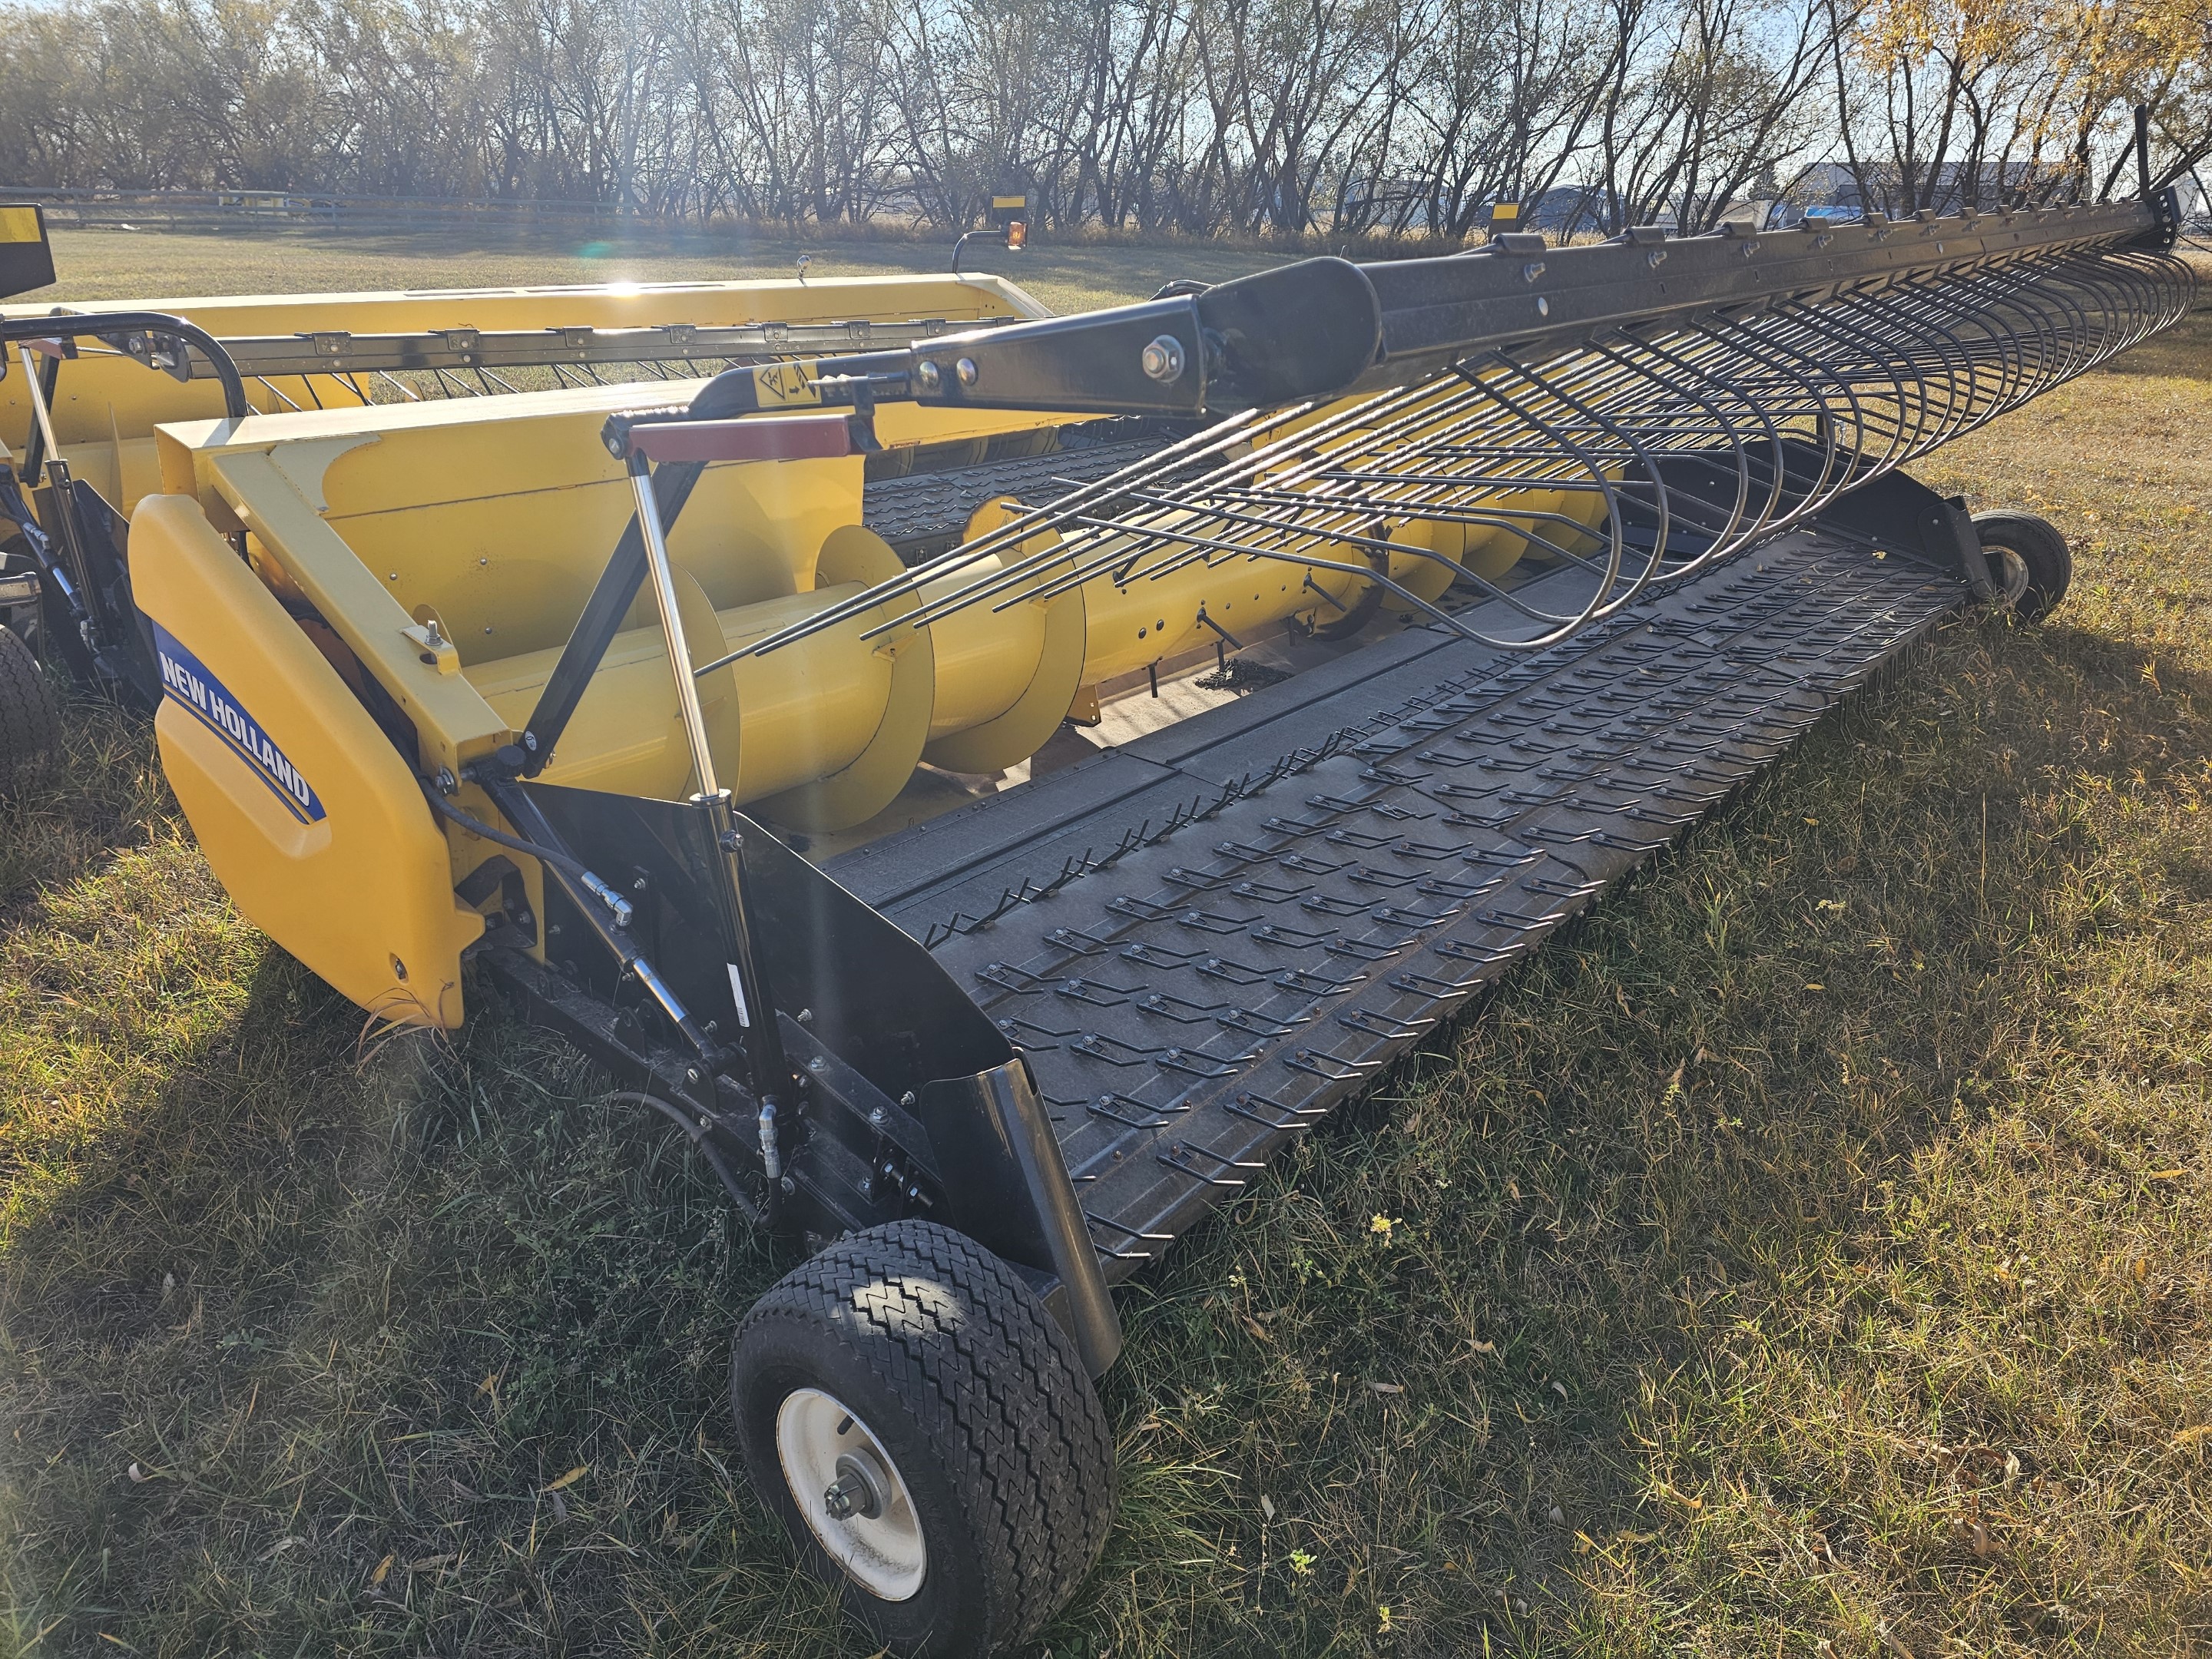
(926, 1433)
(2028, 561)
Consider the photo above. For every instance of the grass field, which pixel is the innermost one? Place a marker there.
(1807, 1255)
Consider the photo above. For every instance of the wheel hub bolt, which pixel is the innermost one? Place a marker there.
(853, 1492)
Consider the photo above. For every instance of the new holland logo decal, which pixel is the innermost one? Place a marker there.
(186, 681)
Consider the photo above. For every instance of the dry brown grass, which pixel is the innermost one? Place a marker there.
(1731, 1315)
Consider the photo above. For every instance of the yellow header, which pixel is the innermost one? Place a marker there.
(1504, 210)
(1010, 201)
(19, 224)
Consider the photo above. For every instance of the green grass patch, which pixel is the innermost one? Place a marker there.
(1807, 1254)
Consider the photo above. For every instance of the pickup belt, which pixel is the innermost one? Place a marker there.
(1204, 941)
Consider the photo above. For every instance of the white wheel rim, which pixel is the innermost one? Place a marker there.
(883, 1554)
(2015, 570)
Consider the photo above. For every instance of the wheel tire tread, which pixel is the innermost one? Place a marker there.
(1004, 1384)
(30, 720)
(2042, 547)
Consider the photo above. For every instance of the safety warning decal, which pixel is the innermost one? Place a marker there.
(186, 681)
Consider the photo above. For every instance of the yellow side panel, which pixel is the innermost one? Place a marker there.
(307, 812)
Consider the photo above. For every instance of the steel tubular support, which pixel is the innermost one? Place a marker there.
(769, 1073)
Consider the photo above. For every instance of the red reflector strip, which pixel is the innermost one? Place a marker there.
(775, 438)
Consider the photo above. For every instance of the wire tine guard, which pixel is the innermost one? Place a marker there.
(1638, 455)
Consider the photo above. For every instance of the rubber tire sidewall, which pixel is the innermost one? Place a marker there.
(978, 1397)
(30, 717)
(2041, 548)
(947, 1614)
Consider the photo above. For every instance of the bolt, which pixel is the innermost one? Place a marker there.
(789, 1185)
(928, 376)
(806, 1017)
(638, 886)
(966, 369)
(1655, 258)
(876, 1115)
(815, 1064)
(907, 1100)
(1543, 307)
(1532, 271)
(1162, 359)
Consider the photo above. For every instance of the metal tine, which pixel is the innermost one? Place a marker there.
(1863, 381)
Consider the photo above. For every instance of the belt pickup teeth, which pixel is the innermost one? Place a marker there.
(1116, 1108)
(1515, 919)
(1427, 984)
(1382, 1026)
(1181, 1010)
(1313, 984)
(1238, 849)
(1174, 1158)
(1287, 1119)
(1075, 939)
(1551, 834)
(1329, 1067)
(1445, 887)
(1235, 972)
(1034, 1039)
(1365, 840)
(1297, 938)
(1146, 909)
(1200, 1065)
(1433, 851)
(1008, 977)
(1322, 904)
(1112, 1050)
(1562, 888)
(1255, 1023)
(1135, 1238)
(1089, 990)
(1306, 863)
(1209, 921)
(1398, 915)
(1158, 956)
(1362, 950)
(1182, 878)
(1369, 876)
(1266, 892)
